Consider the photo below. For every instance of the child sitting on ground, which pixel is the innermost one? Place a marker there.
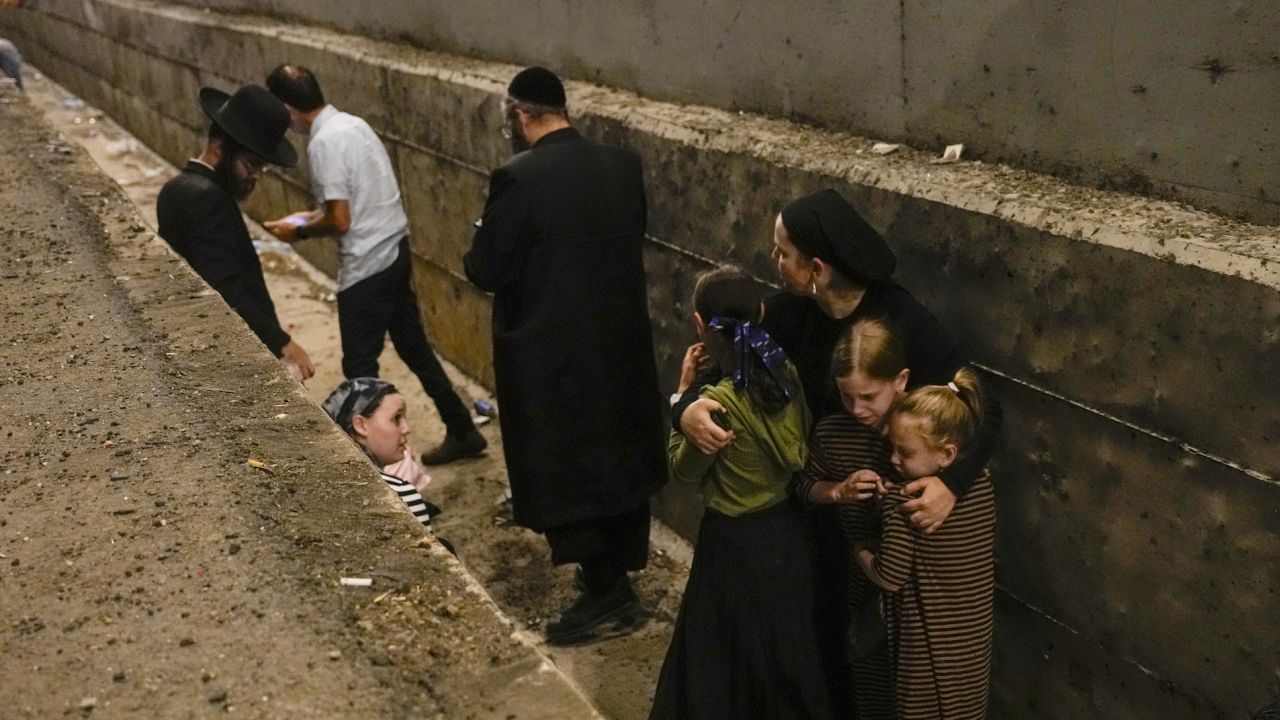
(372, 412)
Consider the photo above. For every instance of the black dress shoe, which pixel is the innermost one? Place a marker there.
(453, 448)
(597, 616)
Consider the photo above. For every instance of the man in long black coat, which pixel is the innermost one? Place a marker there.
(199, 216)
(559, 246)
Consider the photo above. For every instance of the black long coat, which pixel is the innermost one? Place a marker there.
(202, 222)
(560, 248)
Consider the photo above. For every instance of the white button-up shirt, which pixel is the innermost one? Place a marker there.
(348, 162)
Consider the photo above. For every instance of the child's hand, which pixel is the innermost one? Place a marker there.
(859, 486)
(864, 553)
(884, 486)
(408, 468)
(689, 367)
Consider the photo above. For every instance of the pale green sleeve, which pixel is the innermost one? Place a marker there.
(688, 463)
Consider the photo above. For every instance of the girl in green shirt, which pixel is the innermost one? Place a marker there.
(745, 644)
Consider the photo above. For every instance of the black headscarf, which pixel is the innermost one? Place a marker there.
(825, 226)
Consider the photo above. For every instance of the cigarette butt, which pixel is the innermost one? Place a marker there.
(356, 582)
(259, 465)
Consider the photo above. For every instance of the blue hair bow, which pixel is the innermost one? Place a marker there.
(748, 339)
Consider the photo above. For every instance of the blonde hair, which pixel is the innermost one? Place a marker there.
(871, 347)
(947, 413)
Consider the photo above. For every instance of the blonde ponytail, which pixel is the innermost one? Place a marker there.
(950, 412)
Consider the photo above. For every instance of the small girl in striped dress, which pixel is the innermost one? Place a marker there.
(940, 586)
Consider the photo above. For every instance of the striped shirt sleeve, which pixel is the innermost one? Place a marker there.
(409, 495)
(688, 464)
(815, 468)
(897, 543)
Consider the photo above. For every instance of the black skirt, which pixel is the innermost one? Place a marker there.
(745, 645)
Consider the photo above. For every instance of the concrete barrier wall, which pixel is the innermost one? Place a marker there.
(1174, 98)
(1132, 341)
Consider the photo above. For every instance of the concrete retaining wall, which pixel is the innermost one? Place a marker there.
(1133, 341)
(1174, 98)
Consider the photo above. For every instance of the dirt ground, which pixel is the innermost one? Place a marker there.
(88, 404)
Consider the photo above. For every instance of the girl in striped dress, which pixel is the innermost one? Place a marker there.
(848, 457)
(940, 586)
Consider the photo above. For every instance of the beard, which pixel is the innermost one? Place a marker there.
(224, 173)
(518, 143)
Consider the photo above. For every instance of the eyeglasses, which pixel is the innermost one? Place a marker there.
(508, 117)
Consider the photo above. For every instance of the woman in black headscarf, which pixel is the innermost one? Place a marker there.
(835, 270)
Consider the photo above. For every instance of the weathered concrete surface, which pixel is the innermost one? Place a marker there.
(1174, 98)
(1166, 559)
(147, 570)
(1117, 318)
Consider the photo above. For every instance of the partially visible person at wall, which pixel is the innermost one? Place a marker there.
(373, 413)
(359, 202)
(745, 643)
(940, 587)
(560, 247)
(199, 216)
(11, 62)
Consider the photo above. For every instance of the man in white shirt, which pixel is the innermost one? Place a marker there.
(358, 200)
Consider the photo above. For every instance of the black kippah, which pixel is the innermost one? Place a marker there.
(538, 86)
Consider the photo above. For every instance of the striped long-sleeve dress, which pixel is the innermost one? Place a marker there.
(940, 607)
(840, 446)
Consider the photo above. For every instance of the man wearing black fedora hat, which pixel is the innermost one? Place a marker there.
(560, 247)
(200, 219)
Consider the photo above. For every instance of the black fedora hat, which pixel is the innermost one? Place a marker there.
(254, 118)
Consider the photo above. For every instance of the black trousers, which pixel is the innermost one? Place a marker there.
(385, 303)
(605, 547)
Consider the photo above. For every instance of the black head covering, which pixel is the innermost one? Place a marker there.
(538, 86)
(353, 397)
(254, 118)
(824, 225)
